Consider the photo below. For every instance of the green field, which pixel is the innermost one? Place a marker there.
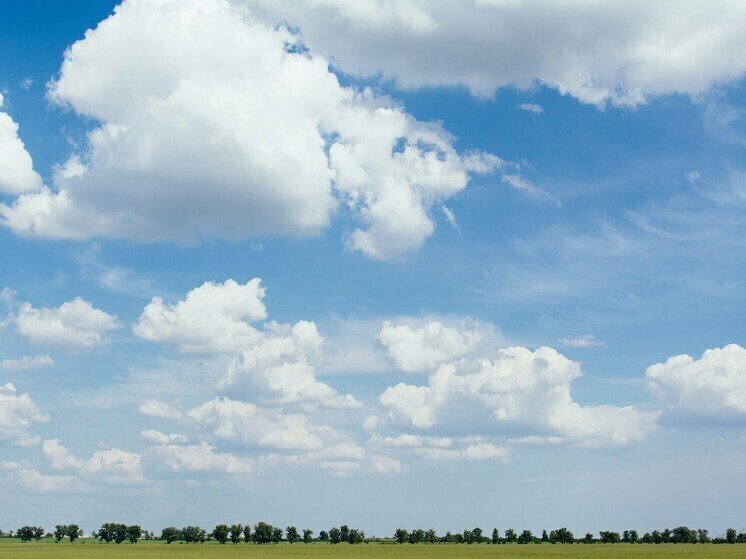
(144, 550)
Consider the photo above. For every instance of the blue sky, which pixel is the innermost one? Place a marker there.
(281, 262)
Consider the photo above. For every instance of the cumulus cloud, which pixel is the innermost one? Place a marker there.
(421, 345)
(274, 364)
(37, 482)
(156, 437)
(531, 108)
(244, 422)
(26, 363)
(17, 173)
(59, 457)
(478, 451)
(113, 466)
(196, 458)
(713, 386)
(17, 414)
(211, 318)
(216, 124)
(598, 52)
(521, 391)
(156, 408)
(75, 324)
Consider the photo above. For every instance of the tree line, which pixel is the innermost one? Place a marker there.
(265, 533)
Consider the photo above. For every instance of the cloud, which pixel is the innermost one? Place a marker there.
(273, 364)
(584, 340)
(595, 51)
(59, 457)
(479, 451)
(17, 414)
(26, 363)
(17, 173)
(712, 387)
(196, 458)
(156, 437)
(420, 345)
(531, 108)
(244, 422)
(156, 408)
(524, 185)
(73, 325)
(37, 482)
(519, 392)
(216, 125)
(212, 318)
(110, 466)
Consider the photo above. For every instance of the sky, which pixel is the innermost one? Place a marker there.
(384, 263)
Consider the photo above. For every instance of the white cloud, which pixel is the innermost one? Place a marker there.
(522, 391)
(531, 108)
(26, 363)
(421, 345)
(525, 186)
(596, 51)
(75, 324)
(214, 124)
(17, 414)
(385, 465)
(407, 440)
(713, 386)
(197, 458)
(37, 482)
(156, 408)
(113, 466)
(212, 318)
(584, 340)
(156, 437)
(478, 451)
(17, 173)
(232, 420)
(26, 442)
(59, 457)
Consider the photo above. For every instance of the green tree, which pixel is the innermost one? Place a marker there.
(335, 535)
(276, 534)
(431, 536)
(73, 532)
(220, 533)
(544, 536)
(60, 531)
(291, 533)
(401, 535)
(323, 536)
(247, 536)
(495, 536)
(526, 537)
(510, 536)
(355, 536)
(26, 533)
(262, 533)
(170, 534)
(588, 538)
(561, 535)
(610, 537)
(730, 535)
(307, 536)
(193, 534)
(235, 533)
(344, 533)
(133, 533)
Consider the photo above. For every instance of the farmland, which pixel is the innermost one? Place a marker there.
(12, 549)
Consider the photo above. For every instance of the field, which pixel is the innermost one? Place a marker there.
(145, 550)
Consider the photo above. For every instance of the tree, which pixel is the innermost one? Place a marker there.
(401, 535)
(703, 536)
(344, 533)
(561, 535)
(193, 534)
(431, 536)
(334, 535)
(247, 533)
(526, 537)
(170, 534)
(276, 535)
(630, 536)
(60, 531)
(544, 536)
(610, 537)
(730, 535)
(588, 538)
(417, 536)
(323, 536)
(682, 534)
(355, 536)
(26, 533)
(235, 533)
(220, 533)
(291, 533)
(133, 533)
(495, 536)
(307, 536)
(510, 535)
(73, 532)
(263, 533)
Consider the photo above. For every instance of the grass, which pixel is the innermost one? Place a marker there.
(157, 550)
